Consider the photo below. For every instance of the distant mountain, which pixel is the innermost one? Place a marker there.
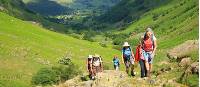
(61, 7)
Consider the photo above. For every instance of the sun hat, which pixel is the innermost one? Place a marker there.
(126, 44)
(90, 56)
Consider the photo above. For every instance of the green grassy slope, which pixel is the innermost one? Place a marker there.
(24, 47)
(173, 23)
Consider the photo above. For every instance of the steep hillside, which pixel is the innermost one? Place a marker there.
(124, 13)
(25, 48)
(173, 23)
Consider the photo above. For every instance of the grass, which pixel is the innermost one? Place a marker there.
(173, 24)
(25, 48)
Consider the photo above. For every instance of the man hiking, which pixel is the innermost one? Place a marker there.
(149, 46)
(116, 62)
(89, 66)
(128, 58)
(97, 65)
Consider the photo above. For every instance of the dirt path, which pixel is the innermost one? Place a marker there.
(111, 78)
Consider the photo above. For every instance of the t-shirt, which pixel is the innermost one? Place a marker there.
(116, 61)
(126, 51)
(148, 44)
(97, 61)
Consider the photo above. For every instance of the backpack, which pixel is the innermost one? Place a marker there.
(96, 61)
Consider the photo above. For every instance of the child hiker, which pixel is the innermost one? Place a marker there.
(116, 62)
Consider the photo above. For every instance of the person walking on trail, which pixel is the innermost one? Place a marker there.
(97, 65)
(139, 57)
(149, 46)
(89, 66)
(116, 62)
(128, 58)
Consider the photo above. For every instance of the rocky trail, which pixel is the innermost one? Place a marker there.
(111, 78)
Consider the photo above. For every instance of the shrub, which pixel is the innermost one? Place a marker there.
(45, 76)
(55, 74)
(66, 72)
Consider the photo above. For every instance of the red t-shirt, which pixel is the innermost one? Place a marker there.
(148, 45)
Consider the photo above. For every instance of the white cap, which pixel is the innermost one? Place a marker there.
(90, 56)
(126, 44)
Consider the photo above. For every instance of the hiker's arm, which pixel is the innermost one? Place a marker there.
(122, 58)
(101, 66)
(155, 47)
(133, 55)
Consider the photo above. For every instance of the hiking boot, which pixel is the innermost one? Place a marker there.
(93, 78)
(132, 73)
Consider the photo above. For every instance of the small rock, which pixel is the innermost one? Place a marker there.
(195, 67)
(185, 62)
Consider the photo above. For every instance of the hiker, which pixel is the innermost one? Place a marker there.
(149, 46)
(139, 57)
(116, 62)
(128, 58)
(89, 66)
(97, 65)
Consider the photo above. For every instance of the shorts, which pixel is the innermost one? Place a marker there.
(128, 63)
(148, 56)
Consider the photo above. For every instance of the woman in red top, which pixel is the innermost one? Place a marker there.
(149, 47)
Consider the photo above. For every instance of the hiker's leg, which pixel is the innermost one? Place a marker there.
(145, 69)
(132, 70)
(150, 69)
(94, 71)
(127, 66)
(142, 68)
(117, 68)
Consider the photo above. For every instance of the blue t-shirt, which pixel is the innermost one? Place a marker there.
(126, 51)
(116, 61)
